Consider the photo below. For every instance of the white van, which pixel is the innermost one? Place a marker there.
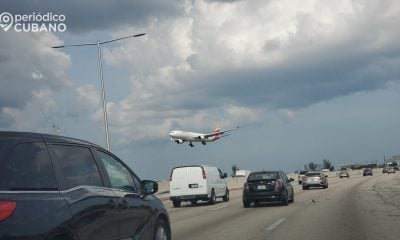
(197, 182)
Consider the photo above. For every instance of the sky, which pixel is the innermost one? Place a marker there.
(305, 80)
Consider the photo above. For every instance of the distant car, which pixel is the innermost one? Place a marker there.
(391, 170)
(397, 168)
(268, 186)
(197, 183)
(301, 175)
(384, 170)
(325, 171)
(54, 188)
(314, 179)
(344, 174)
(367, 171)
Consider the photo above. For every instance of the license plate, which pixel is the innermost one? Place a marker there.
(261, 187)
(193, 185)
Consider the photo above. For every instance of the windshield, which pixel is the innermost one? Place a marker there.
(312, 174)
(263, 176)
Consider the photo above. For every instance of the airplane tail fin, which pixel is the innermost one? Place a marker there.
(217, 135)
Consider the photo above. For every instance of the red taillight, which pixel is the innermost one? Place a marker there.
(203, 173)
(278, 185)
(7, 209)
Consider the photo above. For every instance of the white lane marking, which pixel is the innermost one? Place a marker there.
(213, 209)
(275, 224)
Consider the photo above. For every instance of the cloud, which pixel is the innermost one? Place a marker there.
(235, 62)
(36, 115)
(28, 64)
(83, 17)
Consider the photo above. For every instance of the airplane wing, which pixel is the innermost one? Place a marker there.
(219, 133)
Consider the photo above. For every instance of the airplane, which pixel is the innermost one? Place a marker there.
(182, 136)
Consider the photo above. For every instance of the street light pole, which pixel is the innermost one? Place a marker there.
(103, 92)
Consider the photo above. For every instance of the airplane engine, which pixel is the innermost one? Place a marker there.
(179, 141)
(202, 137)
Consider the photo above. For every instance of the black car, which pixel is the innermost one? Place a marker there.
(367, 171)
(268, 186)
(59, 188)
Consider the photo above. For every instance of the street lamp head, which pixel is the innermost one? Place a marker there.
(139, 35)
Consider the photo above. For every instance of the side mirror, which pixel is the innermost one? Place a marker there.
(149, 187)
(224, 175)
(291, 179)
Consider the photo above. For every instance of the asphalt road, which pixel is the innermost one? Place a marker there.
(355, 208)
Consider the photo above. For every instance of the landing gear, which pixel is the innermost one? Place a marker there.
(204, 143)
(191, 144)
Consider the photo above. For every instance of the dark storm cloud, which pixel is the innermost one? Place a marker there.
(295, 84)
(85, 16)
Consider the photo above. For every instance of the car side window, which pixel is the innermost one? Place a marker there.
(284, 177)
(26, 166)
(220, 173)
(77, 166)
(119, 175)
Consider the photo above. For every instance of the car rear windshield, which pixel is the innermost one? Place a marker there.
(312, 174)
(302, 172)
(263, 176)
(25, 166)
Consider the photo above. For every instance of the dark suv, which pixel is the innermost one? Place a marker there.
(267, 186)
(58, 188)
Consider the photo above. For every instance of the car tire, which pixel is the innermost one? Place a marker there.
(193, 202)
(285, 200)
(176, 203)
(213, 198)
(305, 188)
(292, 198)
(226, 197)
(246, 204)
(161, 231)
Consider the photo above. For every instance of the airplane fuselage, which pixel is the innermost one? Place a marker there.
(190, 136)
(183, 136)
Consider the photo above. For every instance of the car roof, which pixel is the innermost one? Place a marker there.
(272, 171)
(44, 136)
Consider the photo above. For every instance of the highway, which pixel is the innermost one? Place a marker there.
(355, 208)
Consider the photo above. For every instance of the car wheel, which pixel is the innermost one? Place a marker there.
(292, 198)
(305, 188)
(194, 201)
(161, 231)
(213, 198)
(176, 203)
(246, 204)
(285, 199)
(226, 197)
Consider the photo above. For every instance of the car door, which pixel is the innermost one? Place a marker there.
(134, 210)
(93, 206)
(221, 183)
